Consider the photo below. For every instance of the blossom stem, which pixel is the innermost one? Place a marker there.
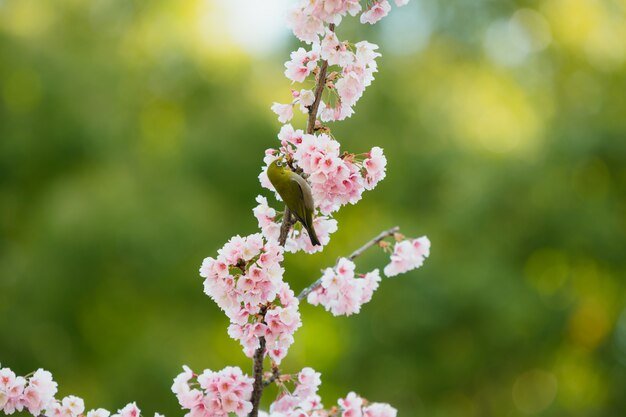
(275, 375)
(382, 235)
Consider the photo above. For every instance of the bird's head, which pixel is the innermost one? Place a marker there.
(278, 167)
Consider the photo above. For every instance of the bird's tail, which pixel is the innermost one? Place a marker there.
(314, 240)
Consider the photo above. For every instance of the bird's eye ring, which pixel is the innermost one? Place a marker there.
(280, 164)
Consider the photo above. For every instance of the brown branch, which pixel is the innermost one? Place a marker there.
(257, 370)
(353, 255)
(285, 227)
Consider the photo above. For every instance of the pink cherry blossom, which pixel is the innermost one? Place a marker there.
(374, 166)
(40, 392)
(247, 271)
(221, 393)
(302, 63)
(339, 112)
(11, 390)
(308, 383)
(100, 412)
(351, 405)
(408, 255)
(331, 11)
(334, 51)
(353, 82)
(342, 292)
(379, 410)
(284, 111)
(378, 10)
(303, 401)
(75, 405)
(350, 87)
(70, 406)
(130, 410)
(308, 17)
(289, 137)
(305, 99)
(188, 398)
(366, 54)
(305, 26)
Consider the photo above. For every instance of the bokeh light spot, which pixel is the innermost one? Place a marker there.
(581, 385)
(589, 324)
(256, 26)
(26, 18)
(492, 112)
(594, 28)
(509, 42)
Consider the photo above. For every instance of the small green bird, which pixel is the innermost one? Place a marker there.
(296, 193)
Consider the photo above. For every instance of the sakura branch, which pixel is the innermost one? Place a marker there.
(35, 394)
(245, 278)
(375, 241)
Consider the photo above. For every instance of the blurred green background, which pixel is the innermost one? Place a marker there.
(131, 137)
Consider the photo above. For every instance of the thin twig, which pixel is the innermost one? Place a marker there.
(274, 377)
(353, 255)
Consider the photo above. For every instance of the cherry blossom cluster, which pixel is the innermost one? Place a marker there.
(355, 406)
(247, 272)
(36, 395)
(304, 401)
(355, 64)
(352, 66)
(309, 19)
(407, 255)
(278, 324)
(72, 406)
(337, 179)
(342, 292)
(214, 394)
(245, 280)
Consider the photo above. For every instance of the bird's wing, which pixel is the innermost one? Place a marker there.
(305, 189)
(303, 199)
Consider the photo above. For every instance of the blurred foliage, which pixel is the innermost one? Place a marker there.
(131, 136)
